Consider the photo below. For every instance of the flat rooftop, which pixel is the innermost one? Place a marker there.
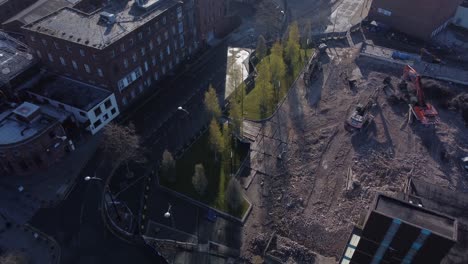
(70, 92)
(38, 10)
(87, 29)
(14, 58)
(417, 216)
(14, 130)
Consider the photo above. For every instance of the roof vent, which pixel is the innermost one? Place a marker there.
(107, 18)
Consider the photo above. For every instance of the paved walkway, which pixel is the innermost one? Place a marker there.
(437, 71)
(37, 247)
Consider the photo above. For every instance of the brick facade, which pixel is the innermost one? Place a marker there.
(419, 18)
(153, 50)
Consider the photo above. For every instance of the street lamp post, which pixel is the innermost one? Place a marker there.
(168, 215)
(88, 178)
(180, 108)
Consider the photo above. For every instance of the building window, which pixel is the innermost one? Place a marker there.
(83, 114)
(75, 66)
(88, 70)
(134, 57)
(125, 63)
(130, 78)
(153, 60)
(175, 45)
(112, 55)
(97, 123)
(181, 41)
(159, 40)
(164, 69)
(124, 100)
(142, 50)
(113, 111)
(99, 71)
(173, 30)
(133, 93)
(50, 57)
(68, 49)
(32, 38)
(140, 88)
(177, 59)
(164, 20)
(62, 61)
(56, 45)
(166, 35)
(39, 54)
(146, 66)
(97, 111)
(151, 45)
(105, 117)
(179, 13)
(82, 53)
(156, 76)
(107, 104)
(181, 27)
(170, 65)
(168, 50)
(131, 41)
(122, 47)
(140, 36)
(384, 12)
(161, 55)
(148, 81)
(44, 42)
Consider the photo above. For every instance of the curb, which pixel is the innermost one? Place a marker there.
(55, 246)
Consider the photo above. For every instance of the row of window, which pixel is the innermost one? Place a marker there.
(57, 46)
(73, 63)
(129, 78)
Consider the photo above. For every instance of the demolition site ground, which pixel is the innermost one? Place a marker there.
(310, 180)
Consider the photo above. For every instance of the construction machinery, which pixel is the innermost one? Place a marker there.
(361, 117)
(424, 112)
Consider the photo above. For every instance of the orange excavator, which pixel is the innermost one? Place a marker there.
(424, 112)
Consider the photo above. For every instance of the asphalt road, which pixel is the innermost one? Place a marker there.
(77, 226)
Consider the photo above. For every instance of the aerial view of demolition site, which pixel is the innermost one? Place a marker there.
(361, 124)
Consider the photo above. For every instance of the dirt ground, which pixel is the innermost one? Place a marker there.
(327, 178)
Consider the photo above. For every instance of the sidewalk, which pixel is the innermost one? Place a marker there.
(36, 246)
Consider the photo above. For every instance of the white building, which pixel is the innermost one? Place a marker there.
(461, 17)
(92, 107)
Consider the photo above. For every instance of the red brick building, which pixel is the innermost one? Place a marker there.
(211, 16)
(419, 18)
(123, 46)
(31, 138)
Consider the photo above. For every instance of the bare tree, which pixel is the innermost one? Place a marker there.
(122, 145)
(199, 180)
(14, 258)
(168, 166)
(234, 194)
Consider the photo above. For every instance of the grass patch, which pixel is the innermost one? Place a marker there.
(252, 99)
(216, 172)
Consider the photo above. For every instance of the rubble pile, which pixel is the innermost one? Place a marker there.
(327, 178)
